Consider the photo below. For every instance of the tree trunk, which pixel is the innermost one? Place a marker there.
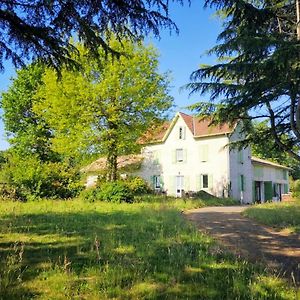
(112, 164)
(112, 156)
(298, 18)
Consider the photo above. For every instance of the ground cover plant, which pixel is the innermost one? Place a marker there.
(282, 215)
(98, 250)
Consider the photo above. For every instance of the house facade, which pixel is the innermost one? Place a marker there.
(188, 155)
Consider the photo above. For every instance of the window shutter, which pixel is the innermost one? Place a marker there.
(286, 188)
(174, 158)
(198, 183)
(183, 132)
(244, 183)
(210, 181)
(185, 155)
(204, 153)
(152, 180)
(171, 189)
(253, 191)
(240, 182)
(162, 184)
(186, 183)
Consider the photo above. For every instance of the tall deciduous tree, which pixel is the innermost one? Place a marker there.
(28, 133)
(30, 167)
(106, 106)
(258, 74)
(31, 29)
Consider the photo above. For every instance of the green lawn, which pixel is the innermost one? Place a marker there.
(76, 250)
(282, 215)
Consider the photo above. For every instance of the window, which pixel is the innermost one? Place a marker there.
(181, 133)
(242, 183)
(204, 181)
(179, 155)
(156, 181)
(204, 153)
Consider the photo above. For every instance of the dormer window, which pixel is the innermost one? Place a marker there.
(181, 133)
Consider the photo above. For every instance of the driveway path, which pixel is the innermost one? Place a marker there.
(249, 239)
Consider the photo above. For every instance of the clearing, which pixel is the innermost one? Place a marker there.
(80, 250)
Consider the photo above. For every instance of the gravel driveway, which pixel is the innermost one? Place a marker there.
(249, 239)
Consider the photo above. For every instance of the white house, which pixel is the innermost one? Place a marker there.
(188, 155)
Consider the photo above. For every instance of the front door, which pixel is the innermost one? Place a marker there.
(179, 186)
(257, 191)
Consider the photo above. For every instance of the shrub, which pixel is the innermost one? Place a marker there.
(138, 186)
(32, 179)
(8, 192)
(117, 191)
(295, 188)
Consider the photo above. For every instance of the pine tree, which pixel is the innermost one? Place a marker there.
(42, 29)
(258, 74)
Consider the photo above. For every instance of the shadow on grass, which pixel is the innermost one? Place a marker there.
(252, 241)
(143, 254)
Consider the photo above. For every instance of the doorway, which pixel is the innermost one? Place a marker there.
(179, 186)
(257, 188)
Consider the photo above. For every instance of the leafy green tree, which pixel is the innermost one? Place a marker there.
(258, 74)
(30, 167)
(28, 133)
(105, 107)
(39, 29)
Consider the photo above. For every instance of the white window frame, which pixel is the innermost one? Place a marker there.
(179, 155)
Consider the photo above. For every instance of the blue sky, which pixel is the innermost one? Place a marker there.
(181, 54)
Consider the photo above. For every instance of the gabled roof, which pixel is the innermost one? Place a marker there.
(267, 162)
(199, 127)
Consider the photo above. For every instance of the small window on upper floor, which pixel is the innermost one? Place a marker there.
(179, 155)
(181, 133)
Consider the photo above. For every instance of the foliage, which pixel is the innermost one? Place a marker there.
(9, 192)
(74, 249)
(295, 188)
(112, 103)
(42, 29)
(138, 186)
(116, 192)
(30, 168)
(31, 179)
(28, 133)
(268, 149)
(280, 215)
(257, 75)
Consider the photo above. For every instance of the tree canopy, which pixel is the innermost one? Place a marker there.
(258, 72)
(104, 108)
(40, 29)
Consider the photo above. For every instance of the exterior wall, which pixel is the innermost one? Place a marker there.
(266, 173)
(240, 164)
(160, 159)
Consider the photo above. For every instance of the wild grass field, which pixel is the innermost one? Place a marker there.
(80, 250)
(281, 215)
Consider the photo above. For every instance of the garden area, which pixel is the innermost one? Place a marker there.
(78, 249)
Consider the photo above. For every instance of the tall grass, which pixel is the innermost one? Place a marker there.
(77, 250)
(283, 215)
